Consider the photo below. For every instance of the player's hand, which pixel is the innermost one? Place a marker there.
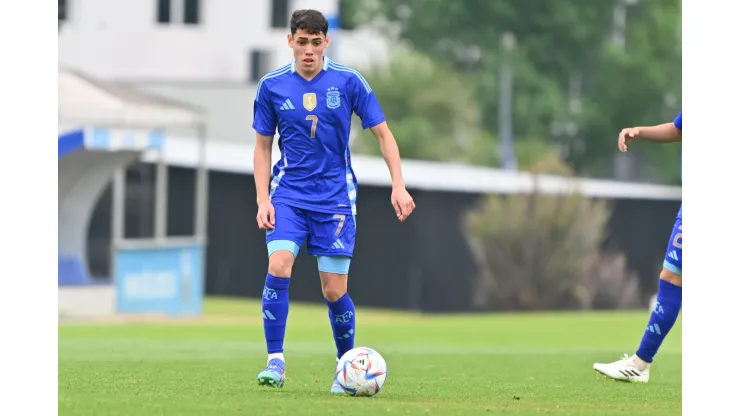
(402, 202)
(626, 136)
(266, 216)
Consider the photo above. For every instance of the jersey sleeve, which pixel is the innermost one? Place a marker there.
(365, 104)
(677, 121)
(265, 119)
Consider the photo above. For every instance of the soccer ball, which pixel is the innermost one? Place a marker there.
(361, 372)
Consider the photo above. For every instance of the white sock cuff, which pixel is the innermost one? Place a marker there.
(278, 355)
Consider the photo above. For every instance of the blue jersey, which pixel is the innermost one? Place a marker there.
(313, 120)
(677, 120)
(678, 123)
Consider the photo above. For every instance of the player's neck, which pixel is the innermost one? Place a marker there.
(309, 75)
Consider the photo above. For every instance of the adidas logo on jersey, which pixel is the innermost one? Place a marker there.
(673, 255)
(287, 105)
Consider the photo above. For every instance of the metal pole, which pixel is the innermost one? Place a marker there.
(160, 199)
(506, 130)
(118, 216)
(201, 188)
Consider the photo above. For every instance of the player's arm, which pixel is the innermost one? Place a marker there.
(366, 106)
(661, 133)
(402, 202)
(390, 152)
(262, 166)
(265, 124)
(665, 133)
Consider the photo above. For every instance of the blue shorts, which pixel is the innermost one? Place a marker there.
(330, 237)
(674, 256)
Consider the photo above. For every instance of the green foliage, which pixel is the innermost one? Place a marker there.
(434, 115)
(565, 50)
(431, 111)
(540, 251)
(637, 85)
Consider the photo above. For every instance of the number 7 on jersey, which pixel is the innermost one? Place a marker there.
(314, 121)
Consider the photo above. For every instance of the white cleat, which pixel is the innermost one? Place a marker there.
(626, 369)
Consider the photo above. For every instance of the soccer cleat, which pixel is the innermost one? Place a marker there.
(274, 374)
(624, 370)
(335, 387)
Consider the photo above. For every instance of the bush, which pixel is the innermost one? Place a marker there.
(540, 252)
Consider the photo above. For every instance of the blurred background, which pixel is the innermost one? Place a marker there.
(506, 113)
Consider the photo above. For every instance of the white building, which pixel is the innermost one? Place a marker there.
(209, 53)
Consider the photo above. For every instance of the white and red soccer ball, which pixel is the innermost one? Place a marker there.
(361, 372)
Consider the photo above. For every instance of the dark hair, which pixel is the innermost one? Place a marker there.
(312, 21)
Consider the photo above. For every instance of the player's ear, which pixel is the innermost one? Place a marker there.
(290, 40)
(328, 41)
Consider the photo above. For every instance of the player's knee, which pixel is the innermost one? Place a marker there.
(670, 276)
(333, 286)
(281, 263)
(333, 293)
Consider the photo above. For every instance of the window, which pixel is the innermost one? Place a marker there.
(259, 62)
(63, 13)
(163, 11)
(280, 17)
(178, 11)
(192, 12)
(63, 10)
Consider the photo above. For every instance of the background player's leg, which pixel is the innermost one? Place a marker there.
(668, 303)
(662, 318)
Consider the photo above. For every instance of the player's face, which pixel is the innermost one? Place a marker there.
(308, 49)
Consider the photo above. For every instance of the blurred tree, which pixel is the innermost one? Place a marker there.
(638, 84)
(430, 109)
(577, 84)
(434, 113)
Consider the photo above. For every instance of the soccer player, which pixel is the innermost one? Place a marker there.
(313, 191)
(637, 367)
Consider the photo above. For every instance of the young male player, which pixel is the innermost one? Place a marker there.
(637, 367)
(313, 191)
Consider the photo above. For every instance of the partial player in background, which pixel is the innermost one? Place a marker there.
(637, 367)
(312, 196)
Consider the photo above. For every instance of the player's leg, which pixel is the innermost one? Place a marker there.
(340, 305)
(332, 241)
(283, 244)
(662, 318)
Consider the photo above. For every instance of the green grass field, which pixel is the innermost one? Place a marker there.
(511, 364)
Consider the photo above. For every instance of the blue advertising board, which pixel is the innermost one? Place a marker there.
(160, 280)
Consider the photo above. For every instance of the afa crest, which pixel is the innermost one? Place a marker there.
(333, 98)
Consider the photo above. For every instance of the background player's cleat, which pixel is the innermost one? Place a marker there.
(274, 374)
(624, 370)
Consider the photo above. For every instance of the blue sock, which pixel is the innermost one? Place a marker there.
(342, 316)
(275, 311)
(661, 321)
